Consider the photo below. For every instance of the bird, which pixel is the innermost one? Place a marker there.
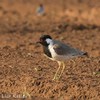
(59, 52)
(40, 10)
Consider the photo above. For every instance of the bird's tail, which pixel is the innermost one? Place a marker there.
(85, 54)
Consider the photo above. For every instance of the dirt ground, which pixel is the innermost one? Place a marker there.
(25, 73)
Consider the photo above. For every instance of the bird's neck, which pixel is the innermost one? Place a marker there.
(47, 51)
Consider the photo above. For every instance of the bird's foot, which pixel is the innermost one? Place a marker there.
(56, 78)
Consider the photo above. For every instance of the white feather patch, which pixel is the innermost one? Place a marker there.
(49, 41)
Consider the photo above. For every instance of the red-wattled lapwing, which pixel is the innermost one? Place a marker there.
(58, 51)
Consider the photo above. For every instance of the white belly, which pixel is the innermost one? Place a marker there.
(57, 57)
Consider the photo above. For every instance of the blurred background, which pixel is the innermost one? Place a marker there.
(69, 17)
(24, 69)
(19, 12)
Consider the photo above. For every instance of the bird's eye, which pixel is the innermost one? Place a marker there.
(41, 40)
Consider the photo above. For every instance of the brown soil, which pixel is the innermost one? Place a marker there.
(25, 74)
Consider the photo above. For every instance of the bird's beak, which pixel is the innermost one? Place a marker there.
(32, 43)
(35, 43)
(38, 42)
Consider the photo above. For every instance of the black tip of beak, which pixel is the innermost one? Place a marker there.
(34, 43)
(38, 42)
(31, 43)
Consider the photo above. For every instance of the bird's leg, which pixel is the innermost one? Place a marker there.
(55, 76)
(62, 69)
(73, 61)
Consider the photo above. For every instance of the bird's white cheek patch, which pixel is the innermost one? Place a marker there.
(49, 41)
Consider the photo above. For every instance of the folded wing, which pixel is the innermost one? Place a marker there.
(63, 49)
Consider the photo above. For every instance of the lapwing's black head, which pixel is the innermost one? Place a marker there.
(43, 40)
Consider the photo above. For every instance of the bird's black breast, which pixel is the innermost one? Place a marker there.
(47, 52)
